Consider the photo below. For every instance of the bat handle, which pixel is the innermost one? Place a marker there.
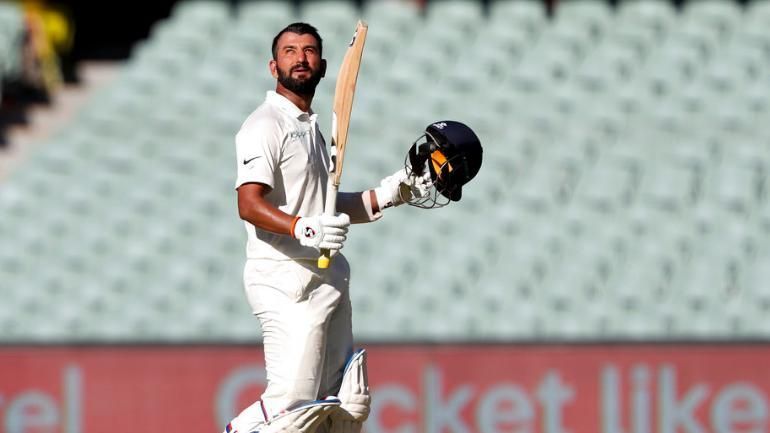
(324, 260)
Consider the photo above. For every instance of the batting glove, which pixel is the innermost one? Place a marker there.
(402, 187)
(322, 231)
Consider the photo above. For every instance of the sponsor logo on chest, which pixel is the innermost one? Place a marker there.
(299, 134)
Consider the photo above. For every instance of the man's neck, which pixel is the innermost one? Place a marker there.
(301, 101)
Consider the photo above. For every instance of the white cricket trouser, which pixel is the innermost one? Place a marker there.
(306, 321)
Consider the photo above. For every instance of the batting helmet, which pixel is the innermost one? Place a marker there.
(451, 152)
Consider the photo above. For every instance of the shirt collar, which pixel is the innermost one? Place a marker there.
(284, 104)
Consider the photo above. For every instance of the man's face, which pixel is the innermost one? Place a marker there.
(298, 65)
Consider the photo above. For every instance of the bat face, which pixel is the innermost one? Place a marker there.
(343, 105)
(343, 98)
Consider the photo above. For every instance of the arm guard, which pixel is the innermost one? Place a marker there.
(360, 206)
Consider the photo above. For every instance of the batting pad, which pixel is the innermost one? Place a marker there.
(305, 418)
(354, 396)
(249, 420)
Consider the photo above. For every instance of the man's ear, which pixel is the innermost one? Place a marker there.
(273, 65)
(323, 68)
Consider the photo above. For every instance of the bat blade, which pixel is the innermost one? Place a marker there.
(343, 106)
(343, 96)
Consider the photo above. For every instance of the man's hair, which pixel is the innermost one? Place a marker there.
(300, 29)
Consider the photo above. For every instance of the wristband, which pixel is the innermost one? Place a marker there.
(293, 224)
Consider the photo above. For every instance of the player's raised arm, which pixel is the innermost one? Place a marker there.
(443, 159)
(399, 188)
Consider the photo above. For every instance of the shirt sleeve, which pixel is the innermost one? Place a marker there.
(258, 153)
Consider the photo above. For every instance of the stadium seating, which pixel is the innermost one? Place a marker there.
(623, 194)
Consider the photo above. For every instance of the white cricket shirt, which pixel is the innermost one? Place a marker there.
(281, 146)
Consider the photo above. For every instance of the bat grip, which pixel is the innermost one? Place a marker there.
(329, 209)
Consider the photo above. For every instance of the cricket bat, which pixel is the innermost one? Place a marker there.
(343, 105)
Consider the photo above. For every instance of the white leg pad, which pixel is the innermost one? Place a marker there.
(305, 418)
(354, 396)
(249, 420)
(341, 425)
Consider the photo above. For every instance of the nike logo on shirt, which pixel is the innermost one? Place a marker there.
(246, 161)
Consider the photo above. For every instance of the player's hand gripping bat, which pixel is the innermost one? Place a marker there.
(343, 104)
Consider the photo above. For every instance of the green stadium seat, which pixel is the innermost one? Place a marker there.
(607, 66)
(527, 77)
(695, 153)
(570, 35)
(746, 60)
(724, 15)
(737, 189)
(759, 9)
(639, 284)
(668, 187)
(604, 188)
(391, 11)
(590, 11)
(716, 323)
(756, 282)
(657, 15)
(633, 323)
(463, 17)
(335, 19)
(554, 58)
(589, 19)
(702, 37)
(383, 44)
(510, 312)
(582, 322)
(170, 40)
(707, 282)
(201, 11)
(752, 35)
(528, 15)
(731, 117)
(265, 13)
(392, 25)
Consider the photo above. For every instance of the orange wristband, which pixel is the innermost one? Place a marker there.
(293, 224)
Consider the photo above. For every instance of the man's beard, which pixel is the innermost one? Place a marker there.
(301, 86)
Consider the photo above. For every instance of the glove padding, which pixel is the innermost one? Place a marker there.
(402, 187)
(322, 231)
